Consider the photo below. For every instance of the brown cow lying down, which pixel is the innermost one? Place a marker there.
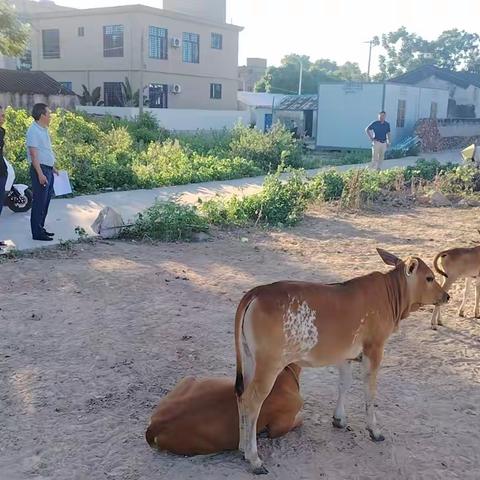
(200, 416)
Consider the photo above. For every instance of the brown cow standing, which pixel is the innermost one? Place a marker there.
(201, 416)
(316, 325)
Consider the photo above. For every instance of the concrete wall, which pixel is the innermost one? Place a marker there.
(182, 119)
(27, 101)
(82, 62)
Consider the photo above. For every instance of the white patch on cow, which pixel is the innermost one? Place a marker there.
(299, 327)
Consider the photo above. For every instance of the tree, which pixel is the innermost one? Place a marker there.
(92, 99)
(14, 35)
(453, 49)
(285, 78)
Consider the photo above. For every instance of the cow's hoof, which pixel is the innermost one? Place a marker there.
(260, 470)
(339, 422)
(434, 327)
(461, 313)
(376, 438)
(439, 322)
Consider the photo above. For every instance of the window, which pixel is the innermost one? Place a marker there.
(402, 105)
(158, 43)
(216, 91)
(51, 43)
(113, 94)
(158, 96)
(217, 41)
(67, 85)
(25, 61)
(113, 41)
(191, 48)
(433, 110)
(81, 31)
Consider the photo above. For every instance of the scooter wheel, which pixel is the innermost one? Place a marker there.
(22, 203)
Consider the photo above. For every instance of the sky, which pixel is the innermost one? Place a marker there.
(334, 29)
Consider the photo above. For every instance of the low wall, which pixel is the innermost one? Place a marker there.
(179, 119)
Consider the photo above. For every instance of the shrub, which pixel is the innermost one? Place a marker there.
(267, 150)
(169, 164)
(426, 169)
(463, 179)
(16, 125)
(327, 185)
(365, 185)
(168, 222)
(279, 203)
(216, 143)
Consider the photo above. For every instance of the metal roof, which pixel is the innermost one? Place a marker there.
(299, 103)
(13, 81)
(462, 79)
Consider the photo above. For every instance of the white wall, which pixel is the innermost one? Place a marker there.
(343, 115)
(180, 119)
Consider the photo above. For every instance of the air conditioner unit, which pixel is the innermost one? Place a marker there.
(175, 88)
(175, 42)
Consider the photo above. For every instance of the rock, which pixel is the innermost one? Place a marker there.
(438, 199)
(200, 237)
(472, 203)
(108, 224)
(244, 240)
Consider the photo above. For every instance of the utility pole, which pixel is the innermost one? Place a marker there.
(142, 66)
(370, 43)
(300, 78)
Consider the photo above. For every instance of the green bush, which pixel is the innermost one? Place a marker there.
(460, 180)
(426, 169)
(168, 222)
(169, 164)
(207, 142)
(327, 185)
(16, 125)
(279, 203)
(267, 150)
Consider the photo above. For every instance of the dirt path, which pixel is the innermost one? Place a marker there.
(92, 339)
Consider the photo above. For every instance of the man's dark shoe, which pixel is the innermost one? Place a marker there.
(43, 238)
(50, 234)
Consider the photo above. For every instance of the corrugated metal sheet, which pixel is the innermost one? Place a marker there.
(299, 103)
(13, 81)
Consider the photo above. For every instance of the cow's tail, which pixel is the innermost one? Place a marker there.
(436, 260)
(240, 343)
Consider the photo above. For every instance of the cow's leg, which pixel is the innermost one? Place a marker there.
(461, 310)
(436, 317)
(250, 404)
(372, 357)
(477, 297)
(344, 383)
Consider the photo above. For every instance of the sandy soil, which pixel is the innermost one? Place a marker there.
(93, 338)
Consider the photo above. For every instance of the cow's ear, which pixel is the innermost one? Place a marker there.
(389, 258)
(411, 266)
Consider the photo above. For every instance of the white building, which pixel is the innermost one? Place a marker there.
(463, 88)
(345, 110)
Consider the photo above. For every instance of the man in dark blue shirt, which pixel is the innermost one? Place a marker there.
(379, 134)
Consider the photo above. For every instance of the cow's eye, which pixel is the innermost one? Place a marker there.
(430, 279)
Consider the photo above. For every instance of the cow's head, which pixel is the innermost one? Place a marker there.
(422, 287)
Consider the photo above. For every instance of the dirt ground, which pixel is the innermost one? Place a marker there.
(93, 338)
